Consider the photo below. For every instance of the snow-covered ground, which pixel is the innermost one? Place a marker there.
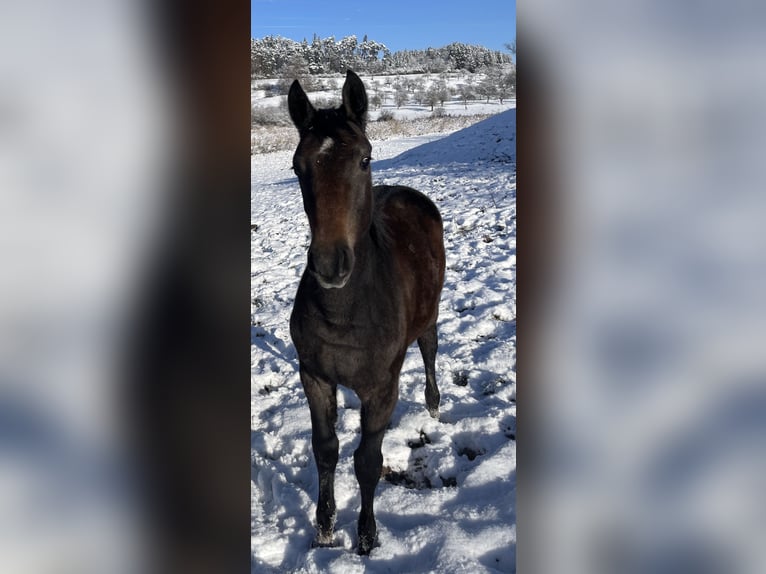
(447, 502)
(384, 86)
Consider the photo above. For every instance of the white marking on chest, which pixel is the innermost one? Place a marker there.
(326, 146)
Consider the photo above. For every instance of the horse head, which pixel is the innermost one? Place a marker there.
(332, 163)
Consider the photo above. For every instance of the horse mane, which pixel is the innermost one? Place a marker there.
(379, 229)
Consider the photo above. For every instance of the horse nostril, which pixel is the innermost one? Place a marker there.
(345, 261)
(331, 267)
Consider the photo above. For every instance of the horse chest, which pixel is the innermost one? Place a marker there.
(343, 353)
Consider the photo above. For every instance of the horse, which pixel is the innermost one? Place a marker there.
(371, 287)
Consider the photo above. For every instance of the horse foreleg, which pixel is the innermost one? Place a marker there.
(324, 413)
(428, 343)
(368, 460)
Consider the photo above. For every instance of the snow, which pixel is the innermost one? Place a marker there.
(451, 108)
(448, 502)
(260, 98)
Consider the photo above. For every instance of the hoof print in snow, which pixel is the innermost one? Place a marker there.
(266, 390)
(460, 378)
(487, 239)
(482, 338)
(492, 386)
(469, 452)
(412, 480)
(253, 227)
(448, 481)
(509, 432)
(419, 442)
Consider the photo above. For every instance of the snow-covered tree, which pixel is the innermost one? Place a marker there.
(296, 68)
(347, 54)
(269, 55)
(315, 57)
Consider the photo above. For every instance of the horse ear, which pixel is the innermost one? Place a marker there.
(301, 110)
(355, 99)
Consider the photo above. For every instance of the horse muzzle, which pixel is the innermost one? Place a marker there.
(331, 266)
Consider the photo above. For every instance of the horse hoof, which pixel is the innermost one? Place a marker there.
(323, 541)
(365, 547)
(434, 413)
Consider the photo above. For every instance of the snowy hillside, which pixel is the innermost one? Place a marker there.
(384, 88)
(447, 500)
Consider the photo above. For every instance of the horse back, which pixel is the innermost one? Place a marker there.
(414, 233)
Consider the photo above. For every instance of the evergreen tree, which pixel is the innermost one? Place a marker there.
(270, 54)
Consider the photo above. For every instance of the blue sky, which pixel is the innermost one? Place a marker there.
(399, 24)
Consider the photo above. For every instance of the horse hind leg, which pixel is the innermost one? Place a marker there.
(324, 414)
(428, 343)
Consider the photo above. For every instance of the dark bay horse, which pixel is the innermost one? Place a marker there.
(370, 289)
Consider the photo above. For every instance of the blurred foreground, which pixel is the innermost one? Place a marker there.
(648, 431)
(123, 337)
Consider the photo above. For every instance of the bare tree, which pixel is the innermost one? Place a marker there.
(432, 96)
(442, 91)
(507, 85)
(419, 91)
(376, 100)
(466, 92)
(401, 96)
(488, 86)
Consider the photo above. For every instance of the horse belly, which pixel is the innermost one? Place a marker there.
(416, 227)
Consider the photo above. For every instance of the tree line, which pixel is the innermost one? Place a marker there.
(272, 56)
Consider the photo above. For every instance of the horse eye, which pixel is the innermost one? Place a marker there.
(365, 163)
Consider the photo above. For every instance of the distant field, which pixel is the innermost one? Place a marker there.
(272, 130)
